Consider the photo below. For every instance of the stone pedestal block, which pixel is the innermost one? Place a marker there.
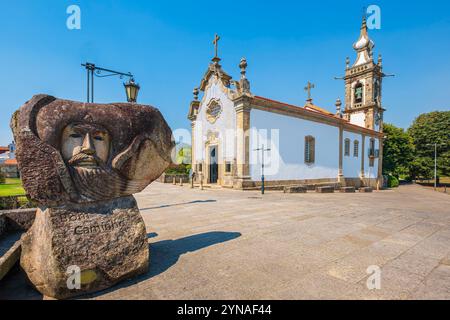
(347, 189)
(94, 245)
(365, 189)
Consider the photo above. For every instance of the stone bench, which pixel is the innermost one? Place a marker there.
(365, 189)
(295, 189)
(9, 252)
(12, 225)
(347, 189)
(325, 189)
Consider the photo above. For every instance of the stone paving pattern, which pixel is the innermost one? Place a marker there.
(228, 244)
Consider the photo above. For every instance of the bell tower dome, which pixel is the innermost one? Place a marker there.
(363, 85)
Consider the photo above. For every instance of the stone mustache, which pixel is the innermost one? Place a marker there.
(81, 162)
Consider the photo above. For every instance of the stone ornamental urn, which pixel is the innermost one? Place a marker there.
(82, 162)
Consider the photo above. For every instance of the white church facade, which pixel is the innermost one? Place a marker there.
(235, 132)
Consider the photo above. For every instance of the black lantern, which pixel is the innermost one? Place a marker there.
(132, 90)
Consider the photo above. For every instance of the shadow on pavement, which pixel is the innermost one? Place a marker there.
(164, 254)
(177, 204)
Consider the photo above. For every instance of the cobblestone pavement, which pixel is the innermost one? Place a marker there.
(228, 244)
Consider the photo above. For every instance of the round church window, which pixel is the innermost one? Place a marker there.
(213, 111)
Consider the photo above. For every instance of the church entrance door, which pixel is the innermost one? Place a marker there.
(213, 165)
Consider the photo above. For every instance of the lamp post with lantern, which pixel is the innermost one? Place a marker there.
(131, 88)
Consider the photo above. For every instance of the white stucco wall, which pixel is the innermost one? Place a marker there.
(358, 118)
(286, 159)
(224, 125)
(351, 165)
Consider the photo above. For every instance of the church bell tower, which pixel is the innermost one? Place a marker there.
(363, 83)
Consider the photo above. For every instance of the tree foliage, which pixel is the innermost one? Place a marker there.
(398, 151)
(411, 153)
(420, 167)
(392, 182)
(184, 155)
(183, 158)
(426, 130)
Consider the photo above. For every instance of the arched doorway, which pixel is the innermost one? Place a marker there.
(213, 165)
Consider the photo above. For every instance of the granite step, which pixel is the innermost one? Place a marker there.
(295, 189)
(325, 189)
(347, 189)
(9, 251)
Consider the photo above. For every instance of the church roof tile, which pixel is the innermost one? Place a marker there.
(303, 110)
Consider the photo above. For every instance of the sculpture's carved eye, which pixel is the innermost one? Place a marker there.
(75, 135)
(98, 138)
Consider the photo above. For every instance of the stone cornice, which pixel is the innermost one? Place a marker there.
(364, 108)
(242, 103)
(357, 71)
(214, 69)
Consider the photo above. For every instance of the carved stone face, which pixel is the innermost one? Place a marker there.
(85, 145)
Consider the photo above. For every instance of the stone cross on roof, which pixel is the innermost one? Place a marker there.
(216, 45)
(308, 88)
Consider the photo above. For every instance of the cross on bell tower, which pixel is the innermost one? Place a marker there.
(308, 88)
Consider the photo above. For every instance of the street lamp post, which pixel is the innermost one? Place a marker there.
(435, 166)
(131, 88)
(435, 160)
(262, 166)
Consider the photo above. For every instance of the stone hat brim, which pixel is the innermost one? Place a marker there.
(124, 121)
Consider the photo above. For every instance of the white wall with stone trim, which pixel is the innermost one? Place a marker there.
(351, 165)
(225, 123)
(286, 159)
(372, 170)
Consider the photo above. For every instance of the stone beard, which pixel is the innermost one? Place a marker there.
(98, 183)
(101, 183)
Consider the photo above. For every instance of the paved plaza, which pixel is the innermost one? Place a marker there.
(228, 244)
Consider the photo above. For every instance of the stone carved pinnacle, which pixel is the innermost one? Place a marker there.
(196, 92)
(244, 84)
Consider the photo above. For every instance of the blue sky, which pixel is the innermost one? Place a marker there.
(167, 45)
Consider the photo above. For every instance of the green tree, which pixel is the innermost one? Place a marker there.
(420, 168)
(398, 151)
(426, 130)
(184, 155)
(443, 162)
(2, 178)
